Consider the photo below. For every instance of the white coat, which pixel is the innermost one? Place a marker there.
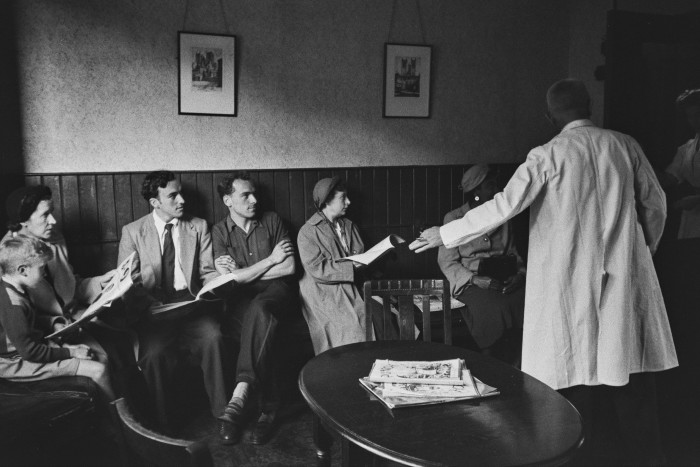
(594, 313)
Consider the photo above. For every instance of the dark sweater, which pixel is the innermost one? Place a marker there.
(18, 336)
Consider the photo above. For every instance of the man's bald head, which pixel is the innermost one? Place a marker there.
(568, 100)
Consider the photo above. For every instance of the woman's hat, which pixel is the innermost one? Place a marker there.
(323, 188)
(473, 177)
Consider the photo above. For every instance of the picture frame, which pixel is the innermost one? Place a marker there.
(407, 80)
(207, 74)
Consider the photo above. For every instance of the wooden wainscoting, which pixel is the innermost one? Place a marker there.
(92, 208)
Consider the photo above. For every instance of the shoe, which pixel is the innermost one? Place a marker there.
(262, 431)
(229, 431)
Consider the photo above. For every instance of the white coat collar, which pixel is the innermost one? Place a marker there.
(577, 124)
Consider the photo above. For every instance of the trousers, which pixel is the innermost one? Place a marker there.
(195, 337)
(253, 313)
(634, 408)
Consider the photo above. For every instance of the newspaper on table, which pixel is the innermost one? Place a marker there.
(211, 285)
(115, 288)
(376, 251)
(396, 395)
(423, 372)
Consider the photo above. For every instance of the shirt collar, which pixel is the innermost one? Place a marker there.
(577, 124)
(230, 225)
(160, 223)
(17, 289)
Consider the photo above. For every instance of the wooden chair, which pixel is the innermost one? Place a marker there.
(141, 446)
(403, 291)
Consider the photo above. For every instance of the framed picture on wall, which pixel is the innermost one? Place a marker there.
(407, 80)
(207, 74)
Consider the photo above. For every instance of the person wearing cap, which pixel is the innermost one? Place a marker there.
(685, 169)
(62, 295)
(257, 246)
(595, 325)
(494, 298)
(330, 300)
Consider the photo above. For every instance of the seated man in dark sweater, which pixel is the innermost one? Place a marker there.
(258, 245)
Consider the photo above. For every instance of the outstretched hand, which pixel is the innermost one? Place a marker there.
(429, 238)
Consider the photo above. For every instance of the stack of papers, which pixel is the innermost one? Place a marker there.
(403, 384)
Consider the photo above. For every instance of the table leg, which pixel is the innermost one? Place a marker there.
(353, 456)
(323, 441)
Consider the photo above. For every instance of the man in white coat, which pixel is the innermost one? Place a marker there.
(595, 320)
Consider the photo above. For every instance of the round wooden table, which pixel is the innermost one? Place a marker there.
(527, 423)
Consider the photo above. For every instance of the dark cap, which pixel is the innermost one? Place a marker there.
(323, 188)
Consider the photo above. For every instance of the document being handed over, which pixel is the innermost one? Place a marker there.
(376, 251)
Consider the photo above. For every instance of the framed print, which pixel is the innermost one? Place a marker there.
(407, 80)
(207, 74)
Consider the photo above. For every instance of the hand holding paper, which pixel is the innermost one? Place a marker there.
(376, 251)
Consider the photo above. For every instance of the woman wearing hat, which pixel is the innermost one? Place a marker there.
(62, 294)
(685, 168)
(331, 302)
(487, 274)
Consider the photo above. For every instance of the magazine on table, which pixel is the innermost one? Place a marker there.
(211, 285)
(115, 288)
(397, 395)
(424, 372)
(376, 251)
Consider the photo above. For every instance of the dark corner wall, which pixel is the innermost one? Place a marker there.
(11, 154)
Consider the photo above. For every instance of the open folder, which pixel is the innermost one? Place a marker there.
(211, 285)
(376, 251)
(117, 287)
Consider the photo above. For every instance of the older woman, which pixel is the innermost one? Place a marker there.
(331, 302)
(62, 295)
(487, 274)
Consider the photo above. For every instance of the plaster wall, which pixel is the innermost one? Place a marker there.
(98, 83)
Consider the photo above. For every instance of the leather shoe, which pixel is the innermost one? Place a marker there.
(262, 431)
(229, 432)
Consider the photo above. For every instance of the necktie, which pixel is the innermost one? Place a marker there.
(168, 261)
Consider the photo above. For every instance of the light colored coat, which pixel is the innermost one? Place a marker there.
(331, 303)
(594, 313)
(196, 258)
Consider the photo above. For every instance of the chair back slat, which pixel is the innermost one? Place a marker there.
(400, 293)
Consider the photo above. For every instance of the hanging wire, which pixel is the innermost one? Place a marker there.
(227, 30)
(420, 21)
(391, 20)
(184, 20)
(223, 15)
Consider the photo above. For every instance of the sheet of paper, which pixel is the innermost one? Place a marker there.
(376, 251)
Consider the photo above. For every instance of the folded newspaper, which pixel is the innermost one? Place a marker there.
(435, 372)
(376, 251)
(396, 395)
(211, 285)
(115, 288)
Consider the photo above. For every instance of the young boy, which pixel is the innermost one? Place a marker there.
(24, 354)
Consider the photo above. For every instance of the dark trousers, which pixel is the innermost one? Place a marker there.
(633, 406)
(253, 313)
(164, 343)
